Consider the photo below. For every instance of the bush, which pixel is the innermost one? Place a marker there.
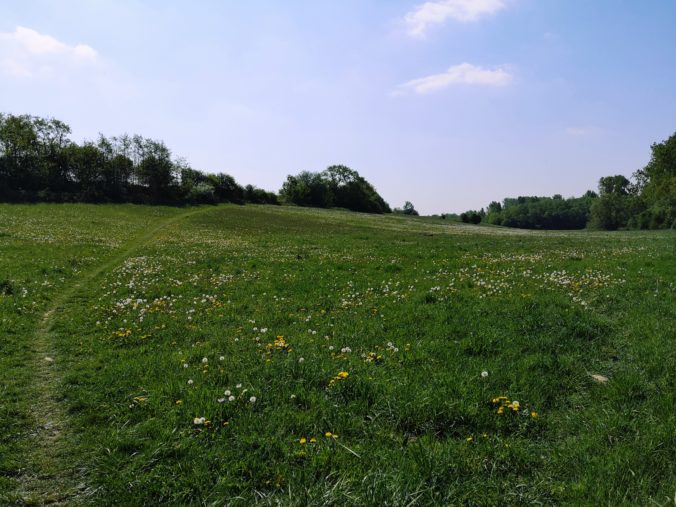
(202, 193)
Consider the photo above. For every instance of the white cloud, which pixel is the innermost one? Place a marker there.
(27, 53)
(420, 19)
(463, 74)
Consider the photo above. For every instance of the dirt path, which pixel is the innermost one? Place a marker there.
(49, 474)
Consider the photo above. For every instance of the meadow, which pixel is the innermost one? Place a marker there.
(232, 355)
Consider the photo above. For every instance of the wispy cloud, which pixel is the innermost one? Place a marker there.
(429, 14)
(463, 74)
(27, 53)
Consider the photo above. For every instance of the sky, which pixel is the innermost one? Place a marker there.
(449, 104)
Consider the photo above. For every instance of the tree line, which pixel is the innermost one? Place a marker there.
(647, 201)
(39, 162)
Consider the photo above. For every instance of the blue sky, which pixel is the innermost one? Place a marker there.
(449, 104)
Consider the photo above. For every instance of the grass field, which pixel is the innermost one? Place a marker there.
(233, 355)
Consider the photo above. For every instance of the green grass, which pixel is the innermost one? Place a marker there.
(157, 312)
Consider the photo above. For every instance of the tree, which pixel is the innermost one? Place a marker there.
(408, 209)
(307, 189)
(656, 184)
(616, 185)
(85, 164)
(20, 154)
(612, 209)
(338, 186)
(156, 171)
(226, 188)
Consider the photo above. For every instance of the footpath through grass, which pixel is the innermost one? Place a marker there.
(276, 355)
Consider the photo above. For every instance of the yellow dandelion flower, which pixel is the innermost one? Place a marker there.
(302, 441)
(534, 414)
(328, 434)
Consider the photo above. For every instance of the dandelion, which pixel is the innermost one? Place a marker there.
(231, 398)
(190, 382)
(205, 360)
(484, 374)
(470, 439)
(227, 392)
(252, 399)
(221, 400)
(313, 440)
(293, 397)
(301, 360)
(302, 441)
(534, 414)
(179, 402)
(328, 434)
(199, 420)
(343, 374)
(238, 386)
(185, 365)
(222, 358)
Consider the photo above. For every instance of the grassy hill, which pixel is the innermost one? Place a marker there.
(233, 355)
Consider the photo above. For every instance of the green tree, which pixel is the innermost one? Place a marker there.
(657, 186)
(156, 171)
(612, 209)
